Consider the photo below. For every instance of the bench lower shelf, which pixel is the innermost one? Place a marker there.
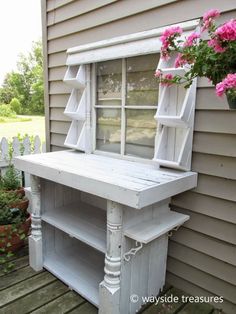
(76, 264)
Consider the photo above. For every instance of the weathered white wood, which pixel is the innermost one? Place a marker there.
(123, 181)
(83, 222)
(149, 230)
(4, 149)
(120, 47)
(37, 145)
(76, 107)
(75, 263)
(109, 289)
(16, 147)
(35, 239)
(75, 76)
(176, 103)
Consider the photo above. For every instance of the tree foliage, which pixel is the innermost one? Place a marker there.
(26, 83)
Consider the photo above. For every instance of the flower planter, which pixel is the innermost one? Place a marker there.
(20, 192)
(231, 101)
(22, 205)
(13, 237)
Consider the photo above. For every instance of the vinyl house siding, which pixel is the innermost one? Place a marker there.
(202, 254)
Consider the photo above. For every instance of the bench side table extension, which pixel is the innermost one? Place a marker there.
(101, 225)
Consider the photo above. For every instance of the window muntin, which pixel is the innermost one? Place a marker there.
(125, 105)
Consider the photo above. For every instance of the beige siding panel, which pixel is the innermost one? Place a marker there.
(208, 205)
(221, 250)
(203, 82)
(219, 166)
(75, 8)
(193, 289)
(59, 87)
(215, 121)
(58, 139)
(104, 15)
(57, 59)
(59, 101)
(207, 100)
(139, 22)
(218, 187)
(55, 148)
(45, 73)
(212, 227)
(53, 4)
(203, 262)
(202, 279)
(57, 114)
(60, 127)
(214, 143)
(57, 74)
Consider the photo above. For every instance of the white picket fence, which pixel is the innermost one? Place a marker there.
(16, 147)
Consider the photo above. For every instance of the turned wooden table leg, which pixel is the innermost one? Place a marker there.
(109, 290)
(35, 240)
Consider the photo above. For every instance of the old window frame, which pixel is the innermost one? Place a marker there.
(123, 107)
(116, 48)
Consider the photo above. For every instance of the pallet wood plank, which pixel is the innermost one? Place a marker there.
(37, 298)
(166, 308)
(19, 263)
(16, 277)
(85, 308)
(62, 304)
(25, 287)
(196, 308)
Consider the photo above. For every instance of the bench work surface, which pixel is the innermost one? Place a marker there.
(130, 183)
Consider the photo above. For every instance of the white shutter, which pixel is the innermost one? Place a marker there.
(78, 108)
(175, 116)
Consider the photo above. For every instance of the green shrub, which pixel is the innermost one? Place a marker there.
(6, 111)
(10, 180)
(16, 105)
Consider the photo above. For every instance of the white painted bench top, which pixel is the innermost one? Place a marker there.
(127, 182)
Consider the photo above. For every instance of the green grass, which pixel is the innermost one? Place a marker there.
(32, 125)
(17, 119)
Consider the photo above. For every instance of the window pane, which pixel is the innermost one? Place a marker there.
(109, 82)
(108, 130)
(140, 132)
(142, 86)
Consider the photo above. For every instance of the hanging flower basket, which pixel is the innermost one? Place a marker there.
(213, 58)
(231, 99)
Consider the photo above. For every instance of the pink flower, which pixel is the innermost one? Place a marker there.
(168, 35)
(227, 31)
(220, 89)
(208, 18)
(180, 61)
(191, 39)
(211, 14)
(170, 32)
(167, 80)
(215, 44)
(158, 73)
(229, 82)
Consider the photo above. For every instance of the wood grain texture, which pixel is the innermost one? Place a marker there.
(61, 304)
(10, 294)
(35, 299)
